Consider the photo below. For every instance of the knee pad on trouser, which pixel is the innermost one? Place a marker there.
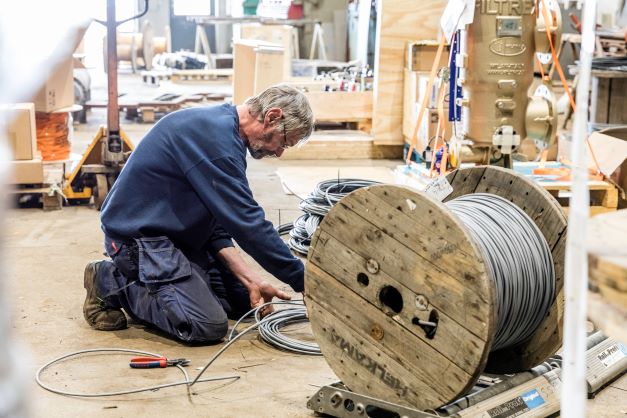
(185, 319)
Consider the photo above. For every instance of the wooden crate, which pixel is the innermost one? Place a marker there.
(340, 106)
(398, 22)
(341, 145)
(609, 93)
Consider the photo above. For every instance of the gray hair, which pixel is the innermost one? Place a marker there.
(297, 114)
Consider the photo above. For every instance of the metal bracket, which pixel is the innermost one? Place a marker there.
(337, 401)
(538, 397)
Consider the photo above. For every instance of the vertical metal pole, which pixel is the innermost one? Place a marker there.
(363, 26)
(574, 394)
(113, 115)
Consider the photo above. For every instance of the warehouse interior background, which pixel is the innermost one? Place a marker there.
(417, 105)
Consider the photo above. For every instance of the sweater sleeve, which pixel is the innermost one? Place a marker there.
(222, 186)
(219, 240)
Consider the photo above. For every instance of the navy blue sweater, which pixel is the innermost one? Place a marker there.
(187, 180)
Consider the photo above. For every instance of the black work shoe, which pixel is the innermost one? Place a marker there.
(97, 314)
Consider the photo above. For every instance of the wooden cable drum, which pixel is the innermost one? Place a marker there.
(387, 260)
(143, 45)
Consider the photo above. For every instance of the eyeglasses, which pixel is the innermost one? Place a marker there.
(285, 145)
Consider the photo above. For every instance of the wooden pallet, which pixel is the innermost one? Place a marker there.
(155, 76)
(603, 195)
(342, 145)
(151, 110)
(209, 74)
(49, 191)
(51, 198)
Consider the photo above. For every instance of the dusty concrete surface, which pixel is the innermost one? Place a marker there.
(45, 253)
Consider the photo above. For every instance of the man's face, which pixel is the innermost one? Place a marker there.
(258, 149)
(272, 139)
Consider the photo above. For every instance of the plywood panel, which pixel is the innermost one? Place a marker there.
(399, 21)
(341, 145)
(340, 106)
(276, 34)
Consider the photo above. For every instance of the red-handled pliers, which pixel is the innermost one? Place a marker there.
(153, 362)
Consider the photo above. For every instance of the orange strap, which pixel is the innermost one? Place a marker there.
(434, 69)
(540, 66)
(440, 127)
(558, 67)
(548, 20)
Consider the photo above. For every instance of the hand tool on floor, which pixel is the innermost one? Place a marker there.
(154, 362)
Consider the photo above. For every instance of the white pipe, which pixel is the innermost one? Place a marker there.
(576, 266)
(363, 26)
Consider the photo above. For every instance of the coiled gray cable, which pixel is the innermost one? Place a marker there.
(270, 328)
(319, 202)
(519, 262)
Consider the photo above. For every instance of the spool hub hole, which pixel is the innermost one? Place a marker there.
(362, 279)
(391, 298)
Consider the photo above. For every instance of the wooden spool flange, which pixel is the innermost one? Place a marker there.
(387, 259)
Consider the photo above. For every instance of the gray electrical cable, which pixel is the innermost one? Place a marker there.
(122, 392)
(274, 323)
(270, 330)
(518, 260)
(326, 194)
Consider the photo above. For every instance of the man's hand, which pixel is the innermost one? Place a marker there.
(264, 292)
(259, 290)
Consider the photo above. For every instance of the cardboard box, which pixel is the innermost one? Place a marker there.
(421, 54)
(257, 65)
(17, 122)
(415, 84)
(26, 172)
(428, 127)
(58, 90)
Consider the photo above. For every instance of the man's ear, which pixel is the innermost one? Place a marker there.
(273, 116)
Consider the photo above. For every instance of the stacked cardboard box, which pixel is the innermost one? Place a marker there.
(57, 93)
(257, 65)
(18, 133)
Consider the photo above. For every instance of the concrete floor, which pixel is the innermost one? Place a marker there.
(46, 253)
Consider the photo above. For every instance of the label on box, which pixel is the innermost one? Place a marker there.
(612, 354)
(439, 188)
(517, 406)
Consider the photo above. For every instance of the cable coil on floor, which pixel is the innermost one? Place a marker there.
(518, 259)
(326, 194)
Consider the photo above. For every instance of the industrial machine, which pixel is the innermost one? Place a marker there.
(105, 156)
(494, 102)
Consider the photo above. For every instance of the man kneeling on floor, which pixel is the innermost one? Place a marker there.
(171, 215)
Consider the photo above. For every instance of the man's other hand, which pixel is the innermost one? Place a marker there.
(264, 292)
